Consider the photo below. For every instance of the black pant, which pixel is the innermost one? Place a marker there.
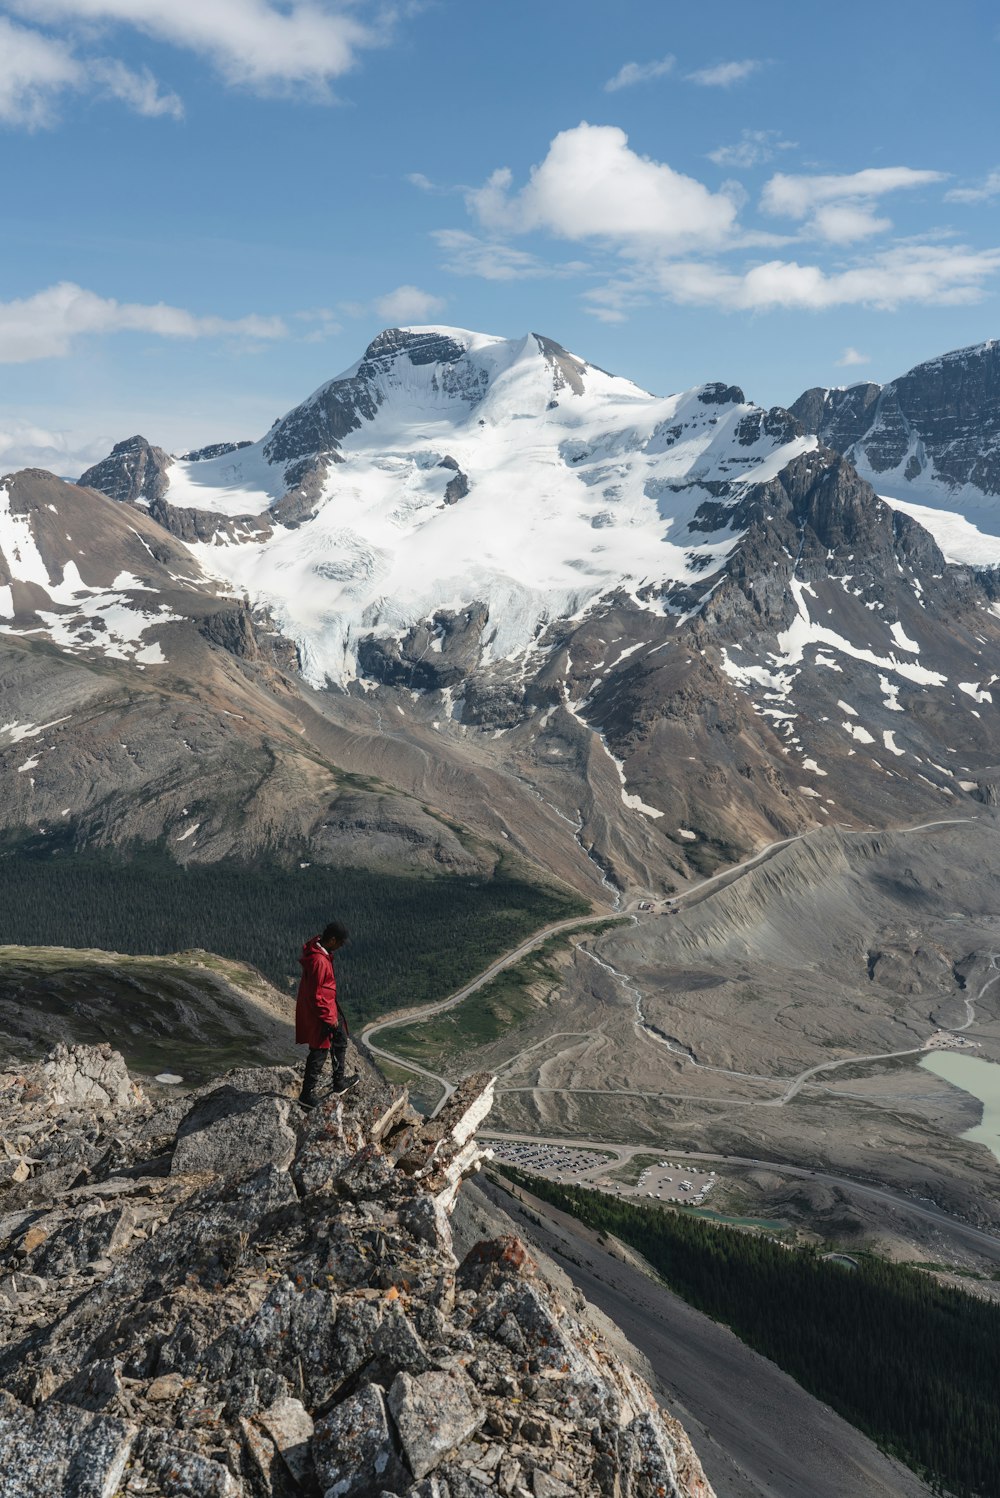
(316, 1060)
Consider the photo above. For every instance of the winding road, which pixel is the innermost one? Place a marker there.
(975, 1237)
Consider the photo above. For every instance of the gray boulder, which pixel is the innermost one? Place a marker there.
(435, 1413)
(234, 1133)
(354, 1448)
(60, 1451)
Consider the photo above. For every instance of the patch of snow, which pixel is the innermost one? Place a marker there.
(902, 639)
(847, 708)
(19, 731)
(889, 740)
(959, 538)
(29, 764)
(857, 732)
(810, 764)
(972, 689)
(190, 832)
(687, 835)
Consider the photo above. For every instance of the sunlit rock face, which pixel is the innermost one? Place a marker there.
(226, 1296)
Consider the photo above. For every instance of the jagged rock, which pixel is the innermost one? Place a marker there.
(60, 1452)
(214, 450)
(94, 1387)
(134, 471)
(82, 1076)
(234, 1303)
(175, 1471)
(354, 1448)
(434, 1414)
(234, 1133)
(290, 1426)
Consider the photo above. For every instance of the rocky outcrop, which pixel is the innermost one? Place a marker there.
(190, 524)
(939, 423)
(440, 652)
(134, 472)
(214, 450)
(319, 425)
(220, 1295)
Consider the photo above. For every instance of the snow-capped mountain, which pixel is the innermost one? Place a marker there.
(621, 636)
(928, 442)
(450, 476)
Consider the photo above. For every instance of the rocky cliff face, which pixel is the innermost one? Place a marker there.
(935, 428)
(134, 472)
(217, 1295)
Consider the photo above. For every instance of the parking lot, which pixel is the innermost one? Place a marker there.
(557, 1162)
(664, 1181)
(673, 1181)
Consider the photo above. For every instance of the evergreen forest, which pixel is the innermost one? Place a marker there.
(912, 1363)
(413, 938)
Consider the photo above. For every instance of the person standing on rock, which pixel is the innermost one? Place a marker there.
(320, 1022)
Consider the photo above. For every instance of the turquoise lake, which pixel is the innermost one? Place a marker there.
(981, 1079)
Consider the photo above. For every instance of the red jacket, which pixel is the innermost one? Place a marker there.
(316, 1004)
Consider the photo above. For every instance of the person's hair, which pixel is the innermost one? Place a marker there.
(336, 931)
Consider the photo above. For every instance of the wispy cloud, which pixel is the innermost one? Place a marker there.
(408, 304)
(25, 444)
(725, 74)
(905, 274)
(38, 70)
(851, 357)
(47, 325)
(841, 208)
(34, 71)
(631, 73)
(495, 260)
(985, 192)
(265, 45)
(754, 148)
(139, 90)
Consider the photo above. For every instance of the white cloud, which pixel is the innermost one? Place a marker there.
(34, 71)
(851, 357)
(752, 149)
(591, 185)
(911, 273)
(797, 197)
(408, 304)
(988, 189)
(259, 43)
(639, 72)
(725, 74)
(44, 326)
(24, 444)
(841, 208)
(843, 223)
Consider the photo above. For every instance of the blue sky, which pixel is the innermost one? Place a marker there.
(210, 206)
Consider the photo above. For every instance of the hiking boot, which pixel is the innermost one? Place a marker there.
(308, 1103)
(343, 1084)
